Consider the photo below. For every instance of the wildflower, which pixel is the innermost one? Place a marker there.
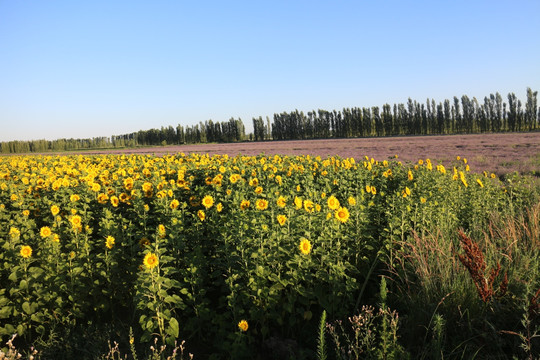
(96, 187)
(423, 200)
(26, 212)
(244, 204)
(73, 198)
(342, 214)
(258, 190)
(219, 207)
(55, 210)
(26, 251)
(146, 207)
(45, 232)
(150, 260)
(281, 202)
(281, 219)
(208, 201)
(174, 204)
(305, 246)
(56, 238)
(109, 242)
(351, 201)
(261, 204)
(243, 325)
(410, 175)
(333, 203)
(201, 215)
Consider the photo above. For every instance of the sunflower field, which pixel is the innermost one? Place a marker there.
(239, 254)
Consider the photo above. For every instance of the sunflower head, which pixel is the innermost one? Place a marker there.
(305, 246)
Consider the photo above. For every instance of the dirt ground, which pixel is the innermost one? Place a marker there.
(498, 153)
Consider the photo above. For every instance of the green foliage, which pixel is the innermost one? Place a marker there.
(237, 254)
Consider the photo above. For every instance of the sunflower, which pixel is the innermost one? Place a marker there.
(281, 219)
(73, 198)
(75, 221)
(201, 215)
(261, 204)
(298, 202)
(45, 232)
(342, 214)
(208, 201)
(55, 210)
(26, 251)
(219, 207)
(109, 242)
(258, 190)
(174, 204)
(305, 246)
(102, 198)
(243, 325)
(479, 182)
(115, 201)
(161, 231)
(351, 200)
(281, 202)
(309, 206)
(333, 202)
(244, 204)
(406, 192)
(146, 187)
(150, 260)
(14, 232)
(410, 175)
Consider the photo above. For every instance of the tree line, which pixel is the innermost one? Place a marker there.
(457, 116)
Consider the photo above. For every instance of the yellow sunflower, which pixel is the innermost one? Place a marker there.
(55, 210)
(150, 260)
(109, 242)
(305, 246)
(243, 325)
(261, 204)
(208, 201)
(201, 215)
(281, 219)
(26, 251)
(174, 204)
(244, 204)
(342, 214)
(333, 203)
(45, 232)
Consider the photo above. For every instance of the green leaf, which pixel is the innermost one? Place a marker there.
(173, 327)
(26, 308)
(23, 285)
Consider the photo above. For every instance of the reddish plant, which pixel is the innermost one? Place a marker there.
(534, 306)
(474, 261)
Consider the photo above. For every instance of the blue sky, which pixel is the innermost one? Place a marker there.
(80, 69)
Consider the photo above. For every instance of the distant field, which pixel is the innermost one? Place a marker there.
(498, 153)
